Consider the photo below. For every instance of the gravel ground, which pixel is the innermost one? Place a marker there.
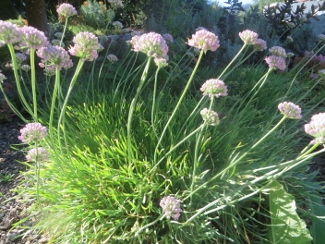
(11, 211)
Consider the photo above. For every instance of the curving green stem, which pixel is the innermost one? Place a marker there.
(17, 79)
(54, 96)
(33, 81)
(233, 60)
(132, 108)
(72, 83)
(178, 104)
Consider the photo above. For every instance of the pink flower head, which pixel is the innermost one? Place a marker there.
(86, 46)
(54, 56)
(290, 110)
(316, 128)
(112, 58)
(171, 207)
(33, 38)
(276, 62)
(278, 51)
(204, 40)
(168, 37)
(9, 33)
(38, 154)
(66, 10)
(152, 44)
(210, 117)
(214, 87)
(248, 36)
(260, 45)
(161, 62)
(32, 132)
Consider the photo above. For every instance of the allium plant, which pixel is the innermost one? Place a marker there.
(316, 128)
(260, 45)
(278, 51)
(171, 207)
(290, 110)
(32, 133)
(248, 37)
(152, 44)
(275, 62)
(54, 56)
(38, 154)
(9, 33)
(210, 117)
(214, 87)
(66, 10)
(204, 40)
(85, 47)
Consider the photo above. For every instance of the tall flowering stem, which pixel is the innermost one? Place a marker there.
(17, 79)
(132, 107)
(72, 83)
(178, 104)
(233, 60)
(33, 81)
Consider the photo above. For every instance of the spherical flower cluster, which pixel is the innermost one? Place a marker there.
(171, 207)
(260, 45)
(117, 24)
(168, 37)
(290, 110)
(204, 40)
(161, 62)
(248, 36)
(86, 46)
(9, 33)
(32, 132)
(278, 51)
(152, 44)
(112, 58)
(210, 117)
(2, 77)
(57, 42)
(316, 128)
(38, 154)
(214, 87)
(289, 39)
(54, 57)
(33, 38)
(276, 62)
(321, 37)
(116, 3)
(25, 67)
(20, 57)
(66, 10)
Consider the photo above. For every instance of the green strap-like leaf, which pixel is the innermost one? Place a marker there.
(286, 226)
